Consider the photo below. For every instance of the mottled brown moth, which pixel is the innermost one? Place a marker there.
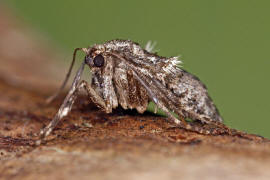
(125, 74)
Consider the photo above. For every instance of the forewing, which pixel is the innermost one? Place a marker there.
(194, 98)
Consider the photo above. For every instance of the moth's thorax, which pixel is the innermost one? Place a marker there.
(117, 46)
(95, 50)
(125, 46)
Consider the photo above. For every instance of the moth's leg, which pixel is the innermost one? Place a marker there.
(108, 92)
(180, 123)
(156, 100)
(67, 105)
(94, 96)
(171, 100)
(63, 111)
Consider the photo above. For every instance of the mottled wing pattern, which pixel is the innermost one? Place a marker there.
(196, 103)
(180, 91)
(130, 93)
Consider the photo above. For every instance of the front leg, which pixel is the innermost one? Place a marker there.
(95, 97)
(67, 105)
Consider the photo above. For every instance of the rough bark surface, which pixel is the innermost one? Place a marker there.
(90, 144)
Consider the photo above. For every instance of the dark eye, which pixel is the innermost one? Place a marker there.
(99, 61)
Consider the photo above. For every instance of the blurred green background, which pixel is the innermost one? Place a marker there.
(225, 43)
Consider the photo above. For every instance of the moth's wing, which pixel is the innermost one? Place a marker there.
(129, 91)
(162, 100)
(178, 90)
(194, 98)
(187, 89)
(150, 73)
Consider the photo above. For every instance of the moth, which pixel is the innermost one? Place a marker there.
(124, 74)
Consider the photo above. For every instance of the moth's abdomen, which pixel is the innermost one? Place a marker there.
(193, 96)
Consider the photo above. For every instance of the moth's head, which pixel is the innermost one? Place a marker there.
(95, 58)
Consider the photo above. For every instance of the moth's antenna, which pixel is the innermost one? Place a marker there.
(54, 96)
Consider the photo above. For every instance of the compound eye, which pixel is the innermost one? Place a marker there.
(99, 61)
